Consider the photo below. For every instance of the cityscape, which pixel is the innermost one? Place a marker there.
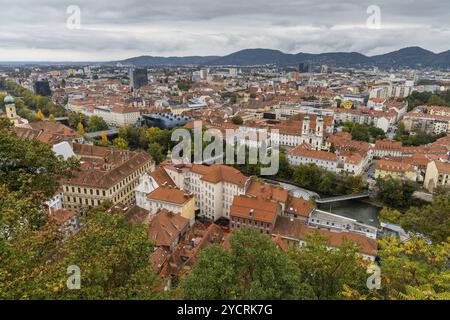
(284, 170)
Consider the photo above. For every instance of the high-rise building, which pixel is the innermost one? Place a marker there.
(305, 67)
(138, 78)
(42, 88)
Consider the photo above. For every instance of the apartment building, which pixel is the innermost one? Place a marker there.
(254, 212)
(118, 116)
(213, 187)
(172, 199)
(429, 123)
(385, 148)
(354, 163)
(106, 174)
(380, 119)
(391, 91)
(437, 110)
(395, 169)
(303, 154)
(437, 174)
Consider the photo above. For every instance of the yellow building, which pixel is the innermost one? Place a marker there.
(437, 174)
(396, 170)
(172, 199)
(106, 174)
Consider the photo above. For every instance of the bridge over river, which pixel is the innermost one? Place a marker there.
(343, 198)
(98, 134)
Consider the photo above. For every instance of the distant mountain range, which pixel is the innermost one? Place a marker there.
(414, 57)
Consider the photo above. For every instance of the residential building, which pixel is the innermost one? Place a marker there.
(118, 116)
(213, 186)
(437, 174)
(68, 221)
(105, 174)
(395, 169)
(254, 212)
(172, 199)
(166, 229)
(295, 233)
(384, 148)
(428, 123)
(304, 154)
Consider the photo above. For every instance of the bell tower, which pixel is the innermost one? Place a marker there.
(10, 108)
(305, 124)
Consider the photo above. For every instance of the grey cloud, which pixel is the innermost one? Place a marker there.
(116, 29)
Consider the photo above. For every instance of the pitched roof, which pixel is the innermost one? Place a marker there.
(136, 215)
(336, 239)
(394, 166)
(443, 167)
(60, 216)
(301, 151)
(218, 172)
(166, 227)
(299, 206)
(162, 177)
(267, 191)
(388, 145)
(169, 194)
(254, 208)
(103, 167)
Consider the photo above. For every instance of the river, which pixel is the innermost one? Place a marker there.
(355, 209)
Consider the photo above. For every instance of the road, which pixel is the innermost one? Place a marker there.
(369, 174)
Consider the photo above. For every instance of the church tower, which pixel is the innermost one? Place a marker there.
(10, 108)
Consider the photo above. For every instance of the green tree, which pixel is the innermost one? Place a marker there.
(308, 176)
(395, 192)
(75, 118)
(212, 278)
(80, 128)
(254, 268)
(97, 123)
(131, 135)
(31, 167)
(156, 151)
(327, 271)
(432, 220)
(285, 170)
(40, 115)
(360, 132)
(237, 120)
(113, 257)
(414, 269)
(376, 133)
(184, 85)
(120, 143)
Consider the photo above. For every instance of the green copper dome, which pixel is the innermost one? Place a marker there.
(8, 99)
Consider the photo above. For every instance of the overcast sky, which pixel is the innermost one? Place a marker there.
(113, 29)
